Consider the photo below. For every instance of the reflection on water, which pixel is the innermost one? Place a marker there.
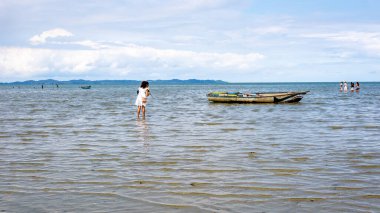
(74, 150)
(143, 132)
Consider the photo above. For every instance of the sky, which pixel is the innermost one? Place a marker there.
(234, 41)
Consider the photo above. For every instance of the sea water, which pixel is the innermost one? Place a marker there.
(72, 150)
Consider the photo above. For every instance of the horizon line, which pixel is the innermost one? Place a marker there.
(175, 79)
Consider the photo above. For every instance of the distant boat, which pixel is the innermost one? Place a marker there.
(267, 97)
(86, 87)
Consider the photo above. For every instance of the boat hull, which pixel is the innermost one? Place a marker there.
(242, 99)
(86, 87)
(278, 97)
(278, 94)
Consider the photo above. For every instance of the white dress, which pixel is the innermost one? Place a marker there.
(140, 96)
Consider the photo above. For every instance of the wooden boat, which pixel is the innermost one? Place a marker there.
(86, 87)
(269, 97)
(280, 94)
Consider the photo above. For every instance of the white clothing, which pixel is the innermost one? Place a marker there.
(345, 86)
(140, 96)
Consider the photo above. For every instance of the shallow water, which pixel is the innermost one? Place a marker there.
(74, 150)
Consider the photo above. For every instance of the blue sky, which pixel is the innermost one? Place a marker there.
(236, 41)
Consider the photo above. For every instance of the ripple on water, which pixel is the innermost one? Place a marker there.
(156, 163)
(225, 195)
(377, 166)
(83, 148)
(283, 170)
(202, 170)
(300, 159)
(305, 199)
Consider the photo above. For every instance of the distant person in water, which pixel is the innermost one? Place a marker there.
(345, 86)
(352, 87)
(357, 88)
(341, 86)
(142, 98)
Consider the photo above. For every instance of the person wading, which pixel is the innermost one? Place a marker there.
(142, 98)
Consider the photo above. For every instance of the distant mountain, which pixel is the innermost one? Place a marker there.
(110, 82)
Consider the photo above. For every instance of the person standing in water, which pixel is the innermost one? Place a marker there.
(352, 87)
(345, 86)
(341, 86)
(142, 98)
(357, 88)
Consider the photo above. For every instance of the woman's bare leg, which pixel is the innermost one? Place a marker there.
(143, 111)
(138, 111)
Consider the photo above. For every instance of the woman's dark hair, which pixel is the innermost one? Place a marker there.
(144, 84)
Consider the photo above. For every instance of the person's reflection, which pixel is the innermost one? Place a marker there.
(143, 133)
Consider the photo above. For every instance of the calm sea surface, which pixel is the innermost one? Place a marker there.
(75, 150)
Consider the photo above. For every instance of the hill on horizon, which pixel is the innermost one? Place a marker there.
(109, 82)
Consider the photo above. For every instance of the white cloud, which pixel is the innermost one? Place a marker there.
(185, 5)
(370, 41)
(116, 62)
(53, 33)
(269, 30)
(89, 44)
